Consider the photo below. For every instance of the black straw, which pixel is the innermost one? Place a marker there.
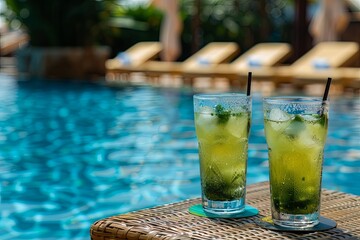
(249, 84)
(327, 88)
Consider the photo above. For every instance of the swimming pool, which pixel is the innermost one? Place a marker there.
(72, 153)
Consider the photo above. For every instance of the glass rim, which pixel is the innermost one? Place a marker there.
(211, 96)
(294, 100)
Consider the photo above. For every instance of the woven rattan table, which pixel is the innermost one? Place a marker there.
(173, 221)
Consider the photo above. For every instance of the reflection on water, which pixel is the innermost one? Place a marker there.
(73, 153)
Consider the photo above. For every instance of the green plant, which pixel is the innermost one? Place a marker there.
(63, 22)
(135, 23)
(243, 21)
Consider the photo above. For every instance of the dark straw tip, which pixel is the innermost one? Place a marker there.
(248, 91)
(327, 88)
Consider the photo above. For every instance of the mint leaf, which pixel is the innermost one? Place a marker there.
(222, 114)
(298, 118)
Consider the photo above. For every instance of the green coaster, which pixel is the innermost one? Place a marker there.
(324, 224)
(199, 211)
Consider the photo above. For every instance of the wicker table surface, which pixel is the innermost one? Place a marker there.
(172, 221)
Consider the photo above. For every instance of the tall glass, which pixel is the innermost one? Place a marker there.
(295, 129)
(222, 123)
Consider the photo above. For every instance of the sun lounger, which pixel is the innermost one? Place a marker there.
(350, 78)
(317, 64)
(133, 57)
(11, 41)
(208, 56)
(257, 59)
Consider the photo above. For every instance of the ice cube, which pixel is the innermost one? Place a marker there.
(296, 126)
(206, 126)
(280, 116)
(238, 126)
(206, 121)
(306, 139)
(206, 110)
(205, 116)
(311, 118)
(279, 119)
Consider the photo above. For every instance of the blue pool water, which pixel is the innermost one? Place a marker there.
(73, 153)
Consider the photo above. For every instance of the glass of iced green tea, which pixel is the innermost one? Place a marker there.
(222, 123)
(295, 130)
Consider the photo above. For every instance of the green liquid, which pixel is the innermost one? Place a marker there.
(223, 155)
(295, 158)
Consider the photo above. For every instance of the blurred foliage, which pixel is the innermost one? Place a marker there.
(85, 22)
(135, 24)
(243, 21)
(63, 22)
